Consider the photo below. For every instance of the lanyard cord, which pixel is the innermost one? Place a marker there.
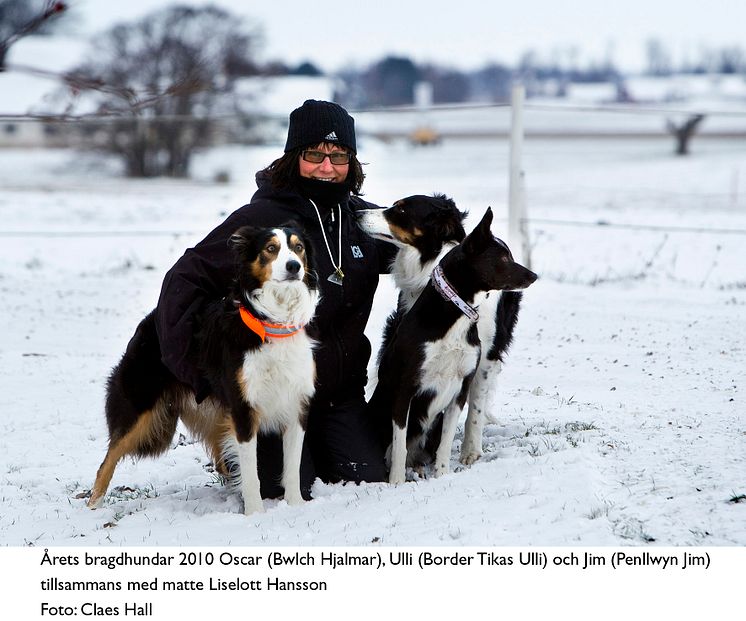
(337, 266)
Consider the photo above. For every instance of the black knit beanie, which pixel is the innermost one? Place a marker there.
(320, 121)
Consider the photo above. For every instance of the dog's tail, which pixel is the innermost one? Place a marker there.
(136, 386)
(141, 406)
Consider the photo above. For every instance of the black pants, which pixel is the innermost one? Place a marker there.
(340, 445)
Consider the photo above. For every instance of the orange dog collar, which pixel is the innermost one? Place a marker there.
(264, 329)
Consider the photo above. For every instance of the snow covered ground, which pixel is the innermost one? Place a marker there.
(620, 419)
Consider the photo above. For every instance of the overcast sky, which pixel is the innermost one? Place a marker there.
(466, 33)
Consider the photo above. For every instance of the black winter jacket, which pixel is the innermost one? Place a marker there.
(204, 274)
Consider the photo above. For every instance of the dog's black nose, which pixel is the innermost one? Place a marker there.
(292, 266)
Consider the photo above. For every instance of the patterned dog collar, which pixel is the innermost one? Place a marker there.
(447, 291)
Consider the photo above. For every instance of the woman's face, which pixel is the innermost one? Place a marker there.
(324, 170)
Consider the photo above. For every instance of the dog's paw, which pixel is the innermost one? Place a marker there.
(396, 479)
(94, 500)
(442, 468)
(294, 500)
(420, 471)
(250, 508)
(469, 457)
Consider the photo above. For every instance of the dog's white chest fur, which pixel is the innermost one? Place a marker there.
(486, 302)
(277, 377)
(410, 275)
(447, 362)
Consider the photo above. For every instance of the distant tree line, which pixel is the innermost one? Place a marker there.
(729, 59)
(391, 81)
(155, 86)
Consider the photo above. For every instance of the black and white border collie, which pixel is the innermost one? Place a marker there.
(426, 228)
(259, 361)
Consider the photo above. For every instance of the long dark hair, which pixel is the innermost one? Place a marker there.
(284, 172)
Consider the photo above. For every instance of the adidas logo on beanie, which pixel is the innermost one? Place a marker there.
(320, 121)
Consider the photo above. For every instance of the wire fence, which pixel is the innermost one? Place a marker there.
(659, 254)
(638, 227)
(102, 233)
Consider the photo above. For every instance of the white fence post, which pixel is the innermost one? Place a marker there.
(517, 225)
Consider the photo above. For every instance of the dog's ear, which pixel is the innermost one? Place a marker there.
(293, 225)
(242, 238)
(449, 228)
(479, 238)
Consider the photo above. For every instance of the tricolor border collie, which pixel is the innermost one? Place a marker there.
(427, 229)
(257, 356)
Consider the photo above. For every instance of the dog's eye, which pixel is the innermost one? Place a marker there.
(271, 248)
(298, 247)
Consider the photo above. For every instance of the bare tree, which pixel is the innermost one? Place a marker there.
(449, 85)
(658, 58)
(492, 82)
(19, 18)
(164, 76)
(684, 131)
(390, 82)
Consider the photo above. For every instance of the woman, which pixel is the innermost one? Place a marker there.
(317, 184)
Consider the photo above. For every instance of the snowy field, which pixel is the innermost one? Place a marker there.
(620, 419)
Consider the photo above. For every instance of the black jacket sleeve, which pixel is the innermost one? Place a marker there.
(198, 277)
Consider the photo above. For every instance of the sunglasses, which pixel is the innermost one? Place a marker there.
(338, 158)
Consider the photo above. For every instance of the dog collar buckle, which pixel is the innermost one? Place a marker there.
(266, 330)
(447, 291)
